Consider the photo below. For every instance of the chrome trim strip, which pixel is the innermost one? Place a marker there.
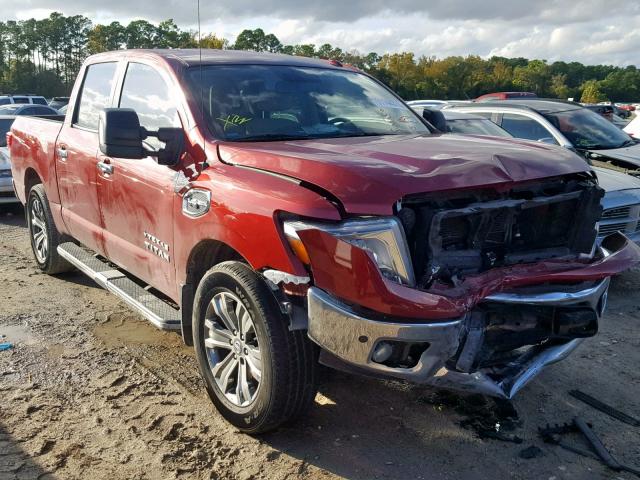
(589, 295)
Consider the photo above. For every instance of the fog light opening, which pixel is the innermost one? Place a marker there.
(397, 354)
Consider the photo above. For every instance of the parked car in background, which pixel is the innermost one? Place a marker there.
(17, 109)
(469, 124)
(621, 202)
(633, 128)
(58, 102)
(488, 97)
(7, 195)
(615, 108)
(417, 104)
(609, 112)
(567, 124)
(63, 110)
(22, 98)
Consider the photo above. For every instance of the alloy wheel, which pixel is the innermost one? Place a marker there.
(39, 230)
(232, 348)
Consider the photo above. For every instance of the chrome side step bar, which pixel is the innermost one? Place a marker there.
(154, 309)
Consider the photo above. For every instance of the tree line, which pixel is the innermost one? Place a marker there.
(44, 56)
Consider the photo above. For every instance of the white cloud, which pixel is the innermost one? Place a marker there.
(589, 31)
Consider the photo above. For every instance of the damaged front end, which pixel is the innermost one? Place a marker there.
(475, 292)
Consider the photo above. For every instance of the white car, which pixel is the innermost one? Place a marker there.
(26, 99)
(633, 128)
(7, 195)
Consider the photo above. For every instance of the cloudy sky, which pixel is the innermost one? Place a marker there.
(589, 31)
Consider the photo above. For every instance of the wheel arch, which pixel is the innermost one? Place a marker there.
(205, 255)
(31, 178)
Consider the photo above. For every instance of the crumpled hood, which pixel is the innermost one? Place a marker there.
(629, 154)
(369, 174)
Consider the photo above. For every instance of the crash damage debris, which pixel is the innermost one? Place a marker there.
(604, 408)
(553, 435)
(531, 452)
(488, 417)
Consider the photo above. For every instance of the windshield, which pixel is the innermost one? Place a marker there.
(479, 126)
(586, 129)
(255, 102)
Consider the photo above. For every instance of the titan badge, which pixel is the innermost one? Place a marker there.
(156, 246)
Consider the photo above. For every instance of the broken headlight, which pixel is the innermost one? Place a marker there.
(382, 237)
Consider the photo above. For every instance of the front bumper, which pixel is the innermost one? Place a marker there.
(352, 308)
(351, 339)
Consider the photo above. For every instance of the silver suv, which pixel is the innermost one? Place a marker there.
(567, 124)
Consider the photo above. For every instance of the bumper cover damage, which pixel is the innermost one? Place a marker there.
(490, 334)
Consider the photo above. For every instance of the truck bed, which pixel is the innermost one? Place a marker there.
(32, 148)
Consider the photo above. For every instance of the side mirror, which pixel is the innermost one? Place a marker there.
(119, 133)
(435, 118)
(121, 136)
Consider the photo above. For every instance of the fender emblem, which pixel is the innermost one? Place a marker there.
(196, 202)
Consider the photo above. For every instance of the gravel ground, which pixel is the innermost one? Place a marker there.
(91, 390)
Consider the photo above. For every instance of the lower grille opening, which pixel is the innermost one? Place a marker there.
(508, 331)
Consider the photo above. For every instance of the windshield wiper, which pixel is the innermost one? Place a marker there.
(270, 137)
(595, 146)
(281, 137)
(627, 143)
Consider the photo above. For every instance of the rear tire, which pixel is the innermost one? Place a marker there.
(44, 235)
(258, 374)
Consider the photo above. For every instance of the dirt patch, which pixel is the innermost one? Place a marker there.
(127, 329)
(91, 390)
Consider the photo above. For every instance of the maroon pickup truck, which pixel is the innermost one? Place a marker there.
(282, 211)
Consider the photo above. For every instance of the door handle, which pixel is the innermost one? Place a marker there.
(105, 168)
(62, 153)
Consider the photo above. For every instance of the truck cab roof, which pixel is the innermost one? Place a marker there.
(193, 56)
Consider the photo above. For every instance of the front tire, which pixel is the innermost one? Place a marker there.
(258, 374)
(44, 235)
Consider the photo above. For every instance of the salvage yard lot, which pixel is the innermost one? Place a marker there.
(90, 390)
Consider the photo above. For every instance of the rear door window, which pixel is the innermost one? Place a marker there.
(524, 127)
(21, 100)
(39, 100)
(95, 94)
